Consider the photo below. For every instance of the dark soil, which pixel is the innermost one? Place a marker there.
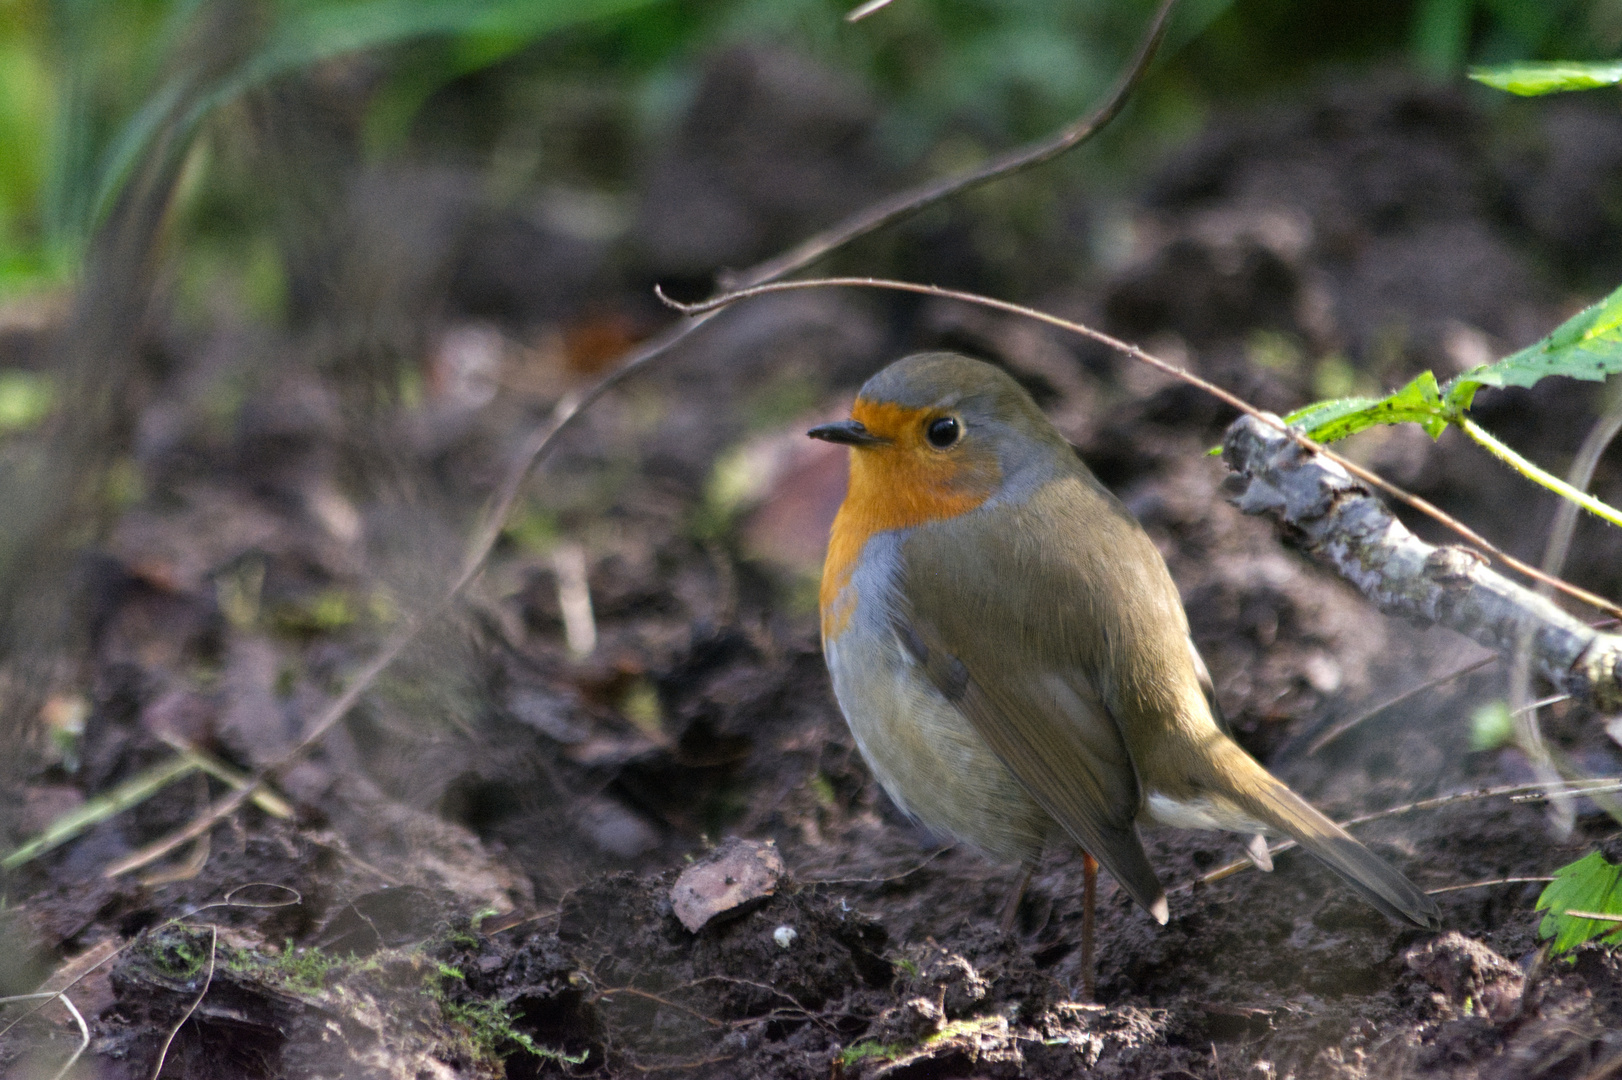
(476, 877)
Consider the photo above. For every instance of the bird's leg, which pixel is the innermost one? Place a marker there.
(1089, 901)
(1010, 908)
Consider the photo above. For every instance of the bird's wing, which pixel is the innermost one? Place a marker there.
(1063, 748)
(1008, 617)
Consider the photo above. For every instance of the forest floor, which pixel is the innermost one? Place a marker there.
(476, 877)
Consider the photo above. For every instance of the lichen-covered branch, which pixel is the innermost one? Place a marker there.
(1337, 519)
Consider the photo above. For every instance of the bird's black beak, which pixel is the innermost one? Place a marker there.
(849, 432)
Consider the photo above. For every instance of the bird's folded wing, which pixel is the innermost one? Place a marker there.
(1055, 736)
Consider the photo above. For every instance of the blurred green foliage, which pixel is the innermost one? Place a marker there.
(1549, 77)
(91, 87)
(1449, 33)
(88, 87)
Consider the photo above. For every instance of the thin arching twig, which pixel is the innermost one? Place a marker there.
(906, 203)
(45, 999)
(1489, 883)
(1430, 684)
(227, 901)
(545, 438)
(707, 307)
(84, 1037)
(208, 980)
(931, 857)
(1528, 732)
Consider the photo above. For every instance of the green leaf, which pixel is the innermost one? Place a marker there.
(1530, 79)
(1314, 418)
(1419, 402)
(1589, 884)
(1586, 346)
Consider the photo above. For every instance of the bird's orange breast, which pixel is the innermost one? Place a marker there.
(896, 486)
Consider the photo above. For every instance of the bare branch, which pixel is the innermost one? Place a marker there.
(1339, 521)
(1264, 419)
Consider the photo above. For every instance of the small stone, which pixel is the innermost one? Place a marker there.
(784, 936)
(730, 881)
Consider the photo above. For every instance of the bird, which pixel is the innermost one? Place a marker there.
(1012, 656)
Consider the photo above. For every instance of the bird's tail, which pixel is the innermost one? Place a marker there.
(1269, 801)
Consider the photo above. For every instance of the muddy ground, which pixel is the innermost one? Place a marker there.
(476, 876)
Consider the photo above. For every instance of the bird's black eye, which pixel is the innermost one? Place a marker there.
(943, 432)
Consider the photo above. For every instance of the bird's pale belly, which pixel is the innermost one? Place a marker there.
(925, 753)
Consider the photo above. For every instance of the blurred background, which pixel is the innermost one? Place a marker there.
(285, 286)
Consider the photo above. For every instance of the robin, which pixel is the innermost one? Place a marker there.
(1012, 657)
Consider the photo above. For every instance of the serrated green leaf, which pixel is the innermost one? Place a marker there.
(1419, 402)
(1310, 418)
(1586, 346)
(1529, 79)
(1589, 884)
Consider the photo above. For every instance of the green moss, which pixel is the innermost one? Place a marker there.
(296, 969)
(326, 612)
(490, 1024)
(870, 1048)
(485, 1028)
(177, 952)
(305, 969)
(823, 789)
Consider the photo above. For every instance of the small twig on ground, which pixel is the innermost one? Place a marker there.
(231, 802)
(102, 955)
(501, 926)
(809, 1014)
(1368, 714)
(544, 439)
(45, 999)
(1607, 788)
(697, 1063)
(606, 997)
(84, 1037)
(208, 980)
(1489, 882)
(881, 880)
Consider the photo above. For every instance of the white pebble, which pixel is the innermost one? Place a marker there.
(784, 936)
